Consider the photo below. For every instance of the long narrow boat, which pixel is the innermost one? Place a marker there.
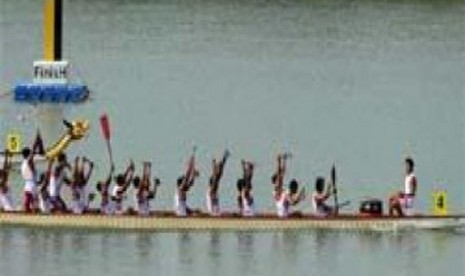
(164, 221)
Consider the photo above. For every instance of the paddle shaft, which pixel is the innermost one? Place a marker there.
(336, 202)
(110, 152)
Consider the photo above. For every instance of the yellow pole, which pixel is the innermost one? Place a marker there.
(49, 30)
(49, 116)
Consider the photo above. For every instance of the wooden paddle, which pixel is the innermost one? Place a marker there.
(333, 180)
(105, 125)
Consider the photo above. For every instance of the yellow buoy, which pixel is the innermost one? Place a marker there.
(440, 203)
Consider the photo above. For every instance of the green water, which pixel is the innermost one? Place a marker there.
(358, 83)
(51, 252)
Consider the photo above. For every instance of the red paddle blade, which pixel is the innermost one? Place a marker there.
(105, 124)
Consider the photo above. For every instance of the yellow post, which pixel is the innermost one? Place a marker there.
(49, 30)
(439, 203)
(53, 20)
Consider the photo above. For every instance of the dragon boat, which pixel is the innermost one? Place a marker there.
(168, 222)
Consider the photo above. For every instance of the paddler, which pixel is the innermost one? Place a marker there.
(284, 199)
(45, 203)
(57, 178)
(82, 172)
(144, 192)
(6, 203)
(212, 199)
(28, 173)
(402, 202)
(240, 187)
(122, 183)
(183, 185)
(320, 197)
(247, 199)
(103, 188)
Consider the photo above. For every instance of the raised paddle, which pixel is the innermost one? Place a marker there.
(333, 180)
(105, 125)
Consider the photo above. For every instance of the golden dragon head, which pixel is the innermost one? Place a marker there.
(77, 129)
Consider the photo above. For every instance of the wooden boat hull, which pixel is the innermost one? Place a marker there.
(261, 223)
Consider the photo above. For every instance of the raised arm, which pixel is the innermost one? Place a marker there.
(278, 176)
(110, 175)
(147, 171)
(146, 174)
(5, 170)
(76, 168)
(157, 183)
(6, 161)
(225, 158)
(90, 169)
(48, 173)
(190, 171)
(244, 167)
(129, 175)
(129, 170)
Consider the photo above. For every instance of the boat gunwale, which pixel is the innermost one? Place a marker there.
(235, 216)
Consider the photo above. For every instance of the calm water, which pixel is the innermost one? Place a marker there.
(356, 83)
(51, 252)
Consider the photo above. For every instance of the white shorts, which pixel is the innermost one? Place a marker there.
(248, 209)
(180, 207)
(281, 210)
(117, 207)
(6, 202)
(213, 208)
(76, 206)
(44, 205)
(407, 203)
(106, 209)
(143, 208)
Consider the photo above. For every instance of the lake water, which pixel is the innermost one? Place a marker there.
(357, 83)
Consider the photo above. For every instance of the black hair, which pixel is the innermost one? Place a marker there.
(26, 152)
(120, 179)
(41, 177)
(410, 162)
(320, 184)
(99, 186)
(136, 182)
(240, 184)
(180, 180)
(293, 186)
(274, 177)
(62, 157)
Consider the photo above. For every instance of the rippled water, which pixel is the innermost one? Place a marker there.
(358, 83)
(51, 252)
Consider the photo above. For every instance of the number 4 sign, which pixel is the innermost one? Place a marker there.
(440, 203)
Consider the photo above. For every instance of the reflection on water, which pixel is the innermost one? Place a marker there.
(215, 245)
(229, 253)
(246, 251)
(144, 244)
(186, 249)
